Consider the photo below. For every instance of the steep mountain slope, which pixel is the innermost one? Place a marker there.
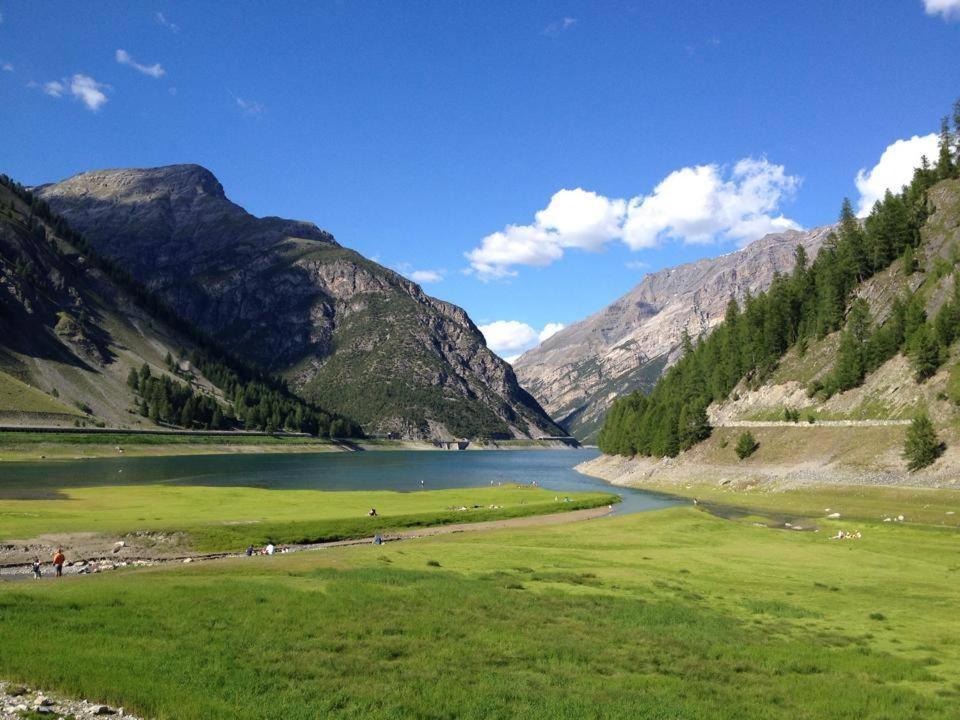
(854, 436)
(346, 332)
(891, 391)
(578, 372)
(68, 336)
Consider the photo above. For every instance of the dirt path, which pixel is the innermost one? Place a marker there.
(19, 570)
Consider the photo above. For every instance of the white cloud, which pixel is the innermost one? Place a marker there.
(637, 265)
(511, 338)
(514, 245)
(423, 277)
(549, 330)
(53, 88)
(582, 219)
(693, 205)
(155, 71)
(697, 205)
(88, 91)
(949, 9)
(82, 87)
(426, 276)
(161, 20)
(894, 169)
(7, 67)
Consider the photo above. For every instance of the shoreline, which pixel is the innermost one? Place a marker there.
(764, 492)
(65, 447)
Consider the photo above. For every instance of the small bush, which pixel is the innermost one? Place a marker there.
(746, 445)
(433, 563)
(877, 616)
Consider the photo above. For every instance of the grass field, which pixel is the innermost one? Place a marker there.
(672, 614)
(229, 518)
(16, 396)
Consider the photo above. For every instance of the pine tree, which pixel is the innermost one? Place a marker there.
(921, 446)
(945, 167)
(909, 262)
(694, 425)
(746, 445)
(849, 369)
(956, 133)
(924, 353)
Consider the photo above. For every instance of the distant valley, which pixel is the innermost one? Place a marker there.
(577, 373)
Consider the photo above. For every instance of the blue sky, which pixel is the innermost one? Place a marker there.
(419, 132)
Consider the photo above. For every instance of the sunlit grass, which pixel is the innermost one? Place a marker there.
(672, 614)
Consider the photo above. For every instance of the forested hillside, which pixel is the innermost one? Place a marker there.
(75, 323)
(816, 300)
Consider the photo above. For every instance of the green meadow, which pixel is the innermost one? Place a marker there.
(668, 614)
(229, 518)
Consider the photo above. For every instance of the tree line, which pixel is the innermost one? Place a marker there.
(809, 303)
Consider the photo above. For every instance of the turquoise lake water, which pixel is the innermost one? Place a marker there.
(370, 470)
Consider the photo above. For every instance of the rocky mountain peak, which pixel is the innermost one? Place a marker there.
(176, 182)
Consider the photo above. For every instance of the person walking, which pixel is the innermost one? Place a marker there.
(36, 569)
(58, 560)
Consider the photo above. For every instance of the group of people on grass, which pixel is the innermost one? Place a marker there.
(58, 560)
(268, 549)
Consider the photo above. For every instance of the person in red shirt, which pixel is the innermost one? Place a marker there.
(58, 560)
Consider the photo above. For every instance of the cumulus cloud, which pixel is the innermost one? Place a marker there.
(162, 20)
(949, 9)
(423, 277)
(511, 338)
(697, 205)
(583, 219)
(155, 71)
(894, 170)
(88, 91)
(7, 67)
(700, 204)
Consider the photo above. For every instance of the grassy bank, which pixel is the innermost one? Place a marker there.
(661, 615)
(23, 446)
(229, 518)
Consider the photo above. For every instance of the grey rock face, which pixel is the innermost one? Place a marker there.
(349, 333)
(577, 373)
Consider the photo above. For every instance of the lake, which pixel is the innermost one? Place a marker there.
(371, 470)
